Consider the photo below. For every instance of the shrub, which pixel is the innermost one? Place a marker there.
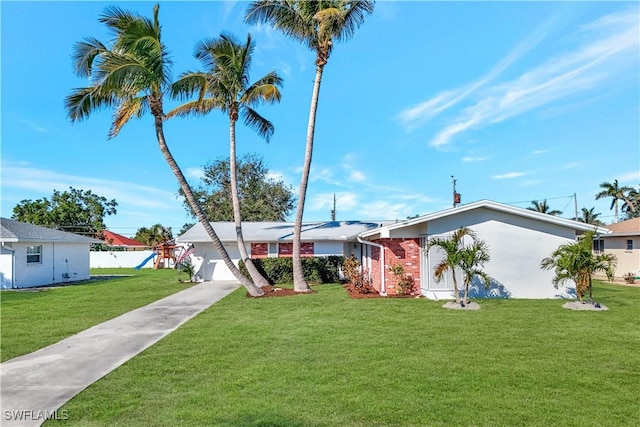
(358, 279)
(405, 283)
(280, 270)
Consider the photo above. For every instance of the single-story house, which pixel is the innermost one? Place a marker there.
(271, 239)
(518, 239)
(623, 242)
(32, 255)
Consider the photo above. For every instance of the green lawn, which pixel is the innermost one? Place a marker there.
(326, 360)
(31, 320)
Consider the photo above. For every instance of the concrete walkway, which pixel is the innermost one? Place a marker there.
(35, 385)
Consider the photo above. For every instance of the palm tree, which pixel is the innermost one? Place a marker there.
(472, 259)
(576, 262)
(543, 207)
(225, 86)
(631, 204)
(617, 193)
(589, 217)
(317, 24)
(132, 76)
(452, 247)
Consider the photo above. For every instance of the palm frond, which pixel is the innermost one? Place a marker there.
(196, 107)
(84, 54)
(83, 101)
(255, 121)
(133, 107)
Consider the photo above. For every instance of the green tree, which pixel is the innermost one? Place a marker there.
(155, 235)
(576, 262)
(617, 194)
(261, 197)
(317, 24)
(452, 247)
(472, 258)
(133, 75)
(226, 86)
(589, 217)
(543, 207)
(75, 211)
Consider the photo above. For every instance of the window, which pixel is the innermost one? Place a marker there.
(34, 254)
(629, 244)
(598, 246)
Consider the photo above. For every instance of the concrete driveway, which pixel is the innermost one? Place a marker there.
(36, 385)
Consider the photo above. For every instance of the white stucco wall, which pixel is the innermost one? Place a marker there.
(120, 259)
(61, 263)
(516, 245)
(6, 268)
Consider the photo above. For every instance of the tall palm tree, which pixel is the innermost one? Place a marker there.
(472, 258)
(576, 262)
(632, 204)
(543, 207)
(132, 75)
(616, 193)
(589, 217)
(452, 247)
(226, 86)
(317, 24)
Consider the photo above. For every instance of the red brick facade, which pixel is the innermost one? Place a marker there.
(397, 251)
(259, 250)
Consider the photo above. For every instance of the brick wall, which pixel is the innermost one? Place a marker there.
(259, 250)
(397, 251)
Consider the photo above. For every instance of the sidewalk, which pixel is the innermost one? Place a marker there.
(35, 385)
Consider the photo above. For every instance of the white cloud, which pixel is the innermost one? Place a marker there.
(471, 159)
(195, 173)
(509, 175)
(630, 177)
(357, 176)
(33, 125)
(538, 152)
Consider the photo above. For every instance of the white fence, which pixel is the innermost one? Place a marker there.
(120, 259)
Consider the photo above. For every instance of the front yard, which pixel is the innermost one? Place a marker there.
(32, 319)
(327, 360)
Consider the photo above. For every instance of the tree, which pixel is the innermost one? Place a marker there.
(226, 86)
(452, 247)
(132, 75)
(317, 24)
(472, 258)
(261, 197)
(543, 207)
(631, 206)
(589, 217)
(155, 235)
(576, 262)
(616, 193)
(75, 211)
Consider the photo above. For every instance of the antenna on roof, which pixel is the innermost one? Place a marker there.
(333, 211)
(456, 196)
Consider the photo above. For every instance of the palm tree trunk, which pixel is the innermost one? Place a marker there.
(466, 292)
(455, 285)
(237, 218)
(299, 282)
(193, 202)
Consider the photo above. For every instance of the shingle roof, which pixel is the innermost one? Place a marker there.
(115, 239)
(16, 231)
(281, 231)
(631, 226)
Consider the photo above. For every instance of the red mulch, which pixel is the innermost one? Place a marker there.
(272, 291)
(356, 294)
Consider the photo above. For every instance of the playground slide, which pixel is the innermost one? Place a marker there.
(150, 257)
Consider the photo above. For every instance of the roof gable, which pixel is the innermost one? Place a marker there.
(16, 231)
(488, 204)
(631, 226)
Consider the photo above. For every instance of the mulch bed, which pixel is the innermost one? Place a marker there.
(357, 294)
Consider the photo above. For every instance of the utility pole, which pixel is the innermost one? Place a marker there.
(456, 196)
(575, 205)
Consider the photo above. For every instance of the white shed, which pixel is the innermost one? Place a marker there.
(32, 255)
(518, 240)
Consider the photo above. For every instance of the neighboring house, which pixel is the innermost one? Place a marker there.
(271, 239)
(32, 255)
(624, 243)
(518, 239)
(120, 242)
(118, 251)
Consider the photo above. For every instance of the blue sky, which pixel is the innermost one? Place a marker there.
(520, 101)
